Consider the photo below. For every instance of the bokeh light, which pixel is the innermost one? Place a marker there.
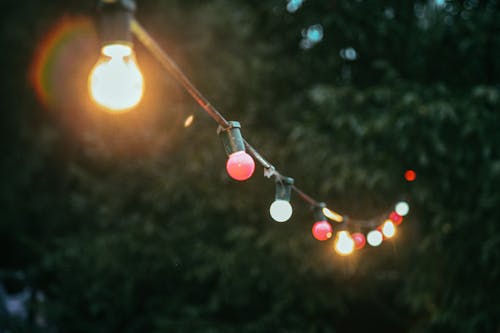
(322, 230)
(374, 238)
(344, 244)
(388, 229)
(402, 208)
(410, 175)
(359, 240)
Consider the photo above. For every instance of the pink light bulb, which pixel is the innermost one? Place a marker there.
(359, 240)
(240, 165)
(322, 230)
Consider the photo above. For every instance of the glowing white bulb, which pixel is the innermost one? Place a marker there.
(402, 208)
(344, 244)
(388, 229)
(374, 238)
(116, 82)
(281, 210)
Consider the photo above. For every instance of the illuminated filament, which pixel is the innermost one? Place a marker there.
(116, 82)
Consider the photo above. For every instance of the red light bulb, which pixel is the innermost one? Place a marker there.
(322, 230)
(410, 175)
(240, 165)
(359, 240)
(396, 218)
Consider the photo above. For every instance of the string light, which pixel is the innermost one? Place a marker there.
(359, 240)
(374, 238)
(333, 215)
(281, 210)
(402, 208)
(240, 166)
(410, 175)
(344, 244)
(321, 230)
(396, 218)
(388, 229)
(116, 83)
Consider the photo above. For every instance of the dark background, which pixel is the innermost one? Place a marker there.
(129, 223)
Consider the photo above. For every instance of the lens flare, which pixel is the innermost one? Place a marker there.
(116, 82)
(61, 53)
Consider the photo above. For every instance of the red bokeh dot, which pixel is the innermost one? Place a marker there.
(410, 175)
(396, 218)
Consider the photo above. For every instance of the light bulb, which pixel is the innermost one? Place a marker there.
(322, 230)
(333, 215)
(116, 82)
(396, 218)
(344, 244)
(402, 208)
(388, 229)
(281, 210)
(359, 240)
(240, 165)
(374, 238)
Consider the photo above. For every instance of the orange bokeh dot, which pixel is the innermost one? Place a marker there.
(410, 175)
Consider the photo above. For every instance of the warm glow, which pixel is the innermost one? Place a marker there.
(359, 240)
(281, 210)
(115, 81)
(333, 215)
(344, 244)
(374, 238)
(388, 229)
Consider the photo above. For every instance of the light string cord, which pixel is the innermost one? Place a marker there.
(269, 169)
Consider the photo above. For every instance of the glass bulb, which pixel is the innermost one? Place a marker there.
(388, 229)
(281, 210)
(374, 238)
(322, 230)
(359, 240)
(240, 165)
(344, 244)
(116, 82)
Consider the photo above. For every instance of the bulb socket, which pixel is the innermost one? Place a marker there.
(284, 188)
(231, 137)
(115, 20)
(318, 212)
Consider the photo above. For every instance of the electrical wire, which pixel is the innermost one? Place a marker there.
(269, 169)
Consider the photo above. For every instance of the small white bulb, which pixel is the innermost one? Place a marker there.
(402, 208)
(281, 210)
(374, 238)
